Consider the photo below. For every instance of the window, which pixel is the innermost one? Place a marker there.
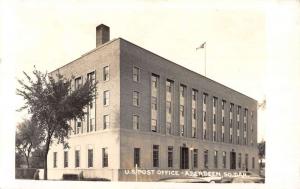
(223, 114)
(204, 133)
(215, 100)
(78, 126)
(194, 95)
(224, 160)
(106, 73)
(170, 156)
(135, 98)
(231, 114)
(77, 158)
(245, 125)
(230, 135)
(78, 82)
(136, 74)
(155, 156)
(135, 122)
(223, 104)
(194, 113)
(204, 98)
(182, 90)
(168, 107)
(214, 133)
(206, 159)
(181, 130)
(216, 159)
(231, 107)
(253, 163)
(106, 98)
(223, 134)
(66, 158)
(204, 116)
(153, 103)
(240, 161)
(169, 85)
(182, 110)
(91, 77)
(104, 157)
(92, 124)
(169, 128)
(193, 132)
(215, 119)
(90, 157)
(154, 125)
(54, 159)
(136, 157)
(154, 81)
(195, 159)
(105, 121)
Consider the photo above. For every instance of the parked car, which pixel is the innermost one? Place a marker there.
(250, 177)
(211, 179)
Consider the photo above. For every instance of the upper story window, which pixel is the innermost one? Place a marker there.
(169, 85)
(106, 122)
(154, 125)
(194, 95)
(91, 77)
(78, 82)
(215, 100)
(135, 122)
(154, 81)
(135, 98)
(182, 90)
(106, 73)
(168, 107)
(136, 74)
(204, 98)
(223, 104)
(153, 103)
(181, 110)
(231, 107)
(106, 98)
(245, 115)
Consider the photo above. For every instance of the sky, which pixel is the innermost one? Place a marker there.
(49, 35)
(252, 47)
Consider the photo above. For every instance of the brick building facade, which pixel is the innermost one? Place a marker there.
(153, 114)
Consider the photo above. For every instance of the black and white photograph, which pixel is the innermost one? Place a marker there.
(150, 94)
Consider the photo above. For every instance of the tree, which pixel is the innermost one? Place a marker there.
(261, 151)
(27, 139)
(51, 104)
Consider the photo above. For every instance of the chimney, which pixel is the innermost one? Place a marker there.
(102, 34)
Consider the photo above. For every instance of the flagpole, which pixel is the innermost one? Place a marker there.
(203, 46)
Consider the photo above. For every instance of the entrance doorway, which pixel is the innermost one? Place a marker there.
(184, 158)
(232, 160)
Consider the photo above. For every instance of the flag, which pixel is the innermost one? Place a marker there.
(201, 46)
